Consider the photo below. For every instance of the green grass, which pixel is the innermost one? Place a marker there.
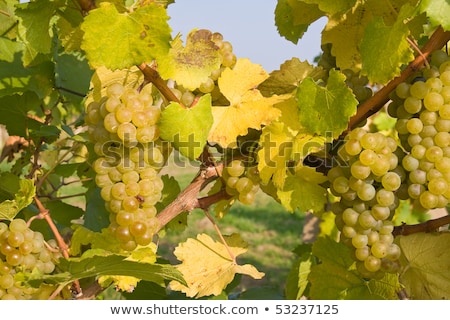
(270, 231)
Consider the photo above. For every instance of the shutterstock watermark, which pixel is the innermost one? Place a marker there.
(132, 153)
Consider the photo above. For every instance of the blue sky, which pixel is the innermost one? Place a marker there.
(249, 26)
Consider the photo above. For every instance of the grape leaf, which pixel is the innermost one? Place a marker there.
(426, 261)
(437, 11)
(18, 79)
(69, 28)
(24, 196)
(190, 66)
(207, 267)
(9, 185)
(248, 108)
(276, 148)
(326, 110)
(63, 213)
(135, 37)
(303, 191)
(97, 262)
(96, 216)
(297, 281)
(336, 277)
(287, 79)
(72, 75)
(8, 19)
(8, 49)
(332, 6)
(384, 49)
(344, 32)
(187, 128)
(293, 17)
(34, 28)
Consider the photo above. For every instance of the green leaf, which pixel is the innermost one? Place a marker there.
(437, 11)
(8, 18)
(426, 261)
(10, 208)
(190, 66)
(136, 37)
(384, 49)
(326, 110)
(344, 32)
(48, 132)
(18, 79)
(336, 277)
(34, 28)
(72, 76)
(69, 28)
(287, 79)
(96, 216)
(63, 213)
(333, 6)
(187, 128)
(297, 281)
(8, 49)
(303, 191)
(66, 170)
(9, 185)
(293, 17)
(96, 263)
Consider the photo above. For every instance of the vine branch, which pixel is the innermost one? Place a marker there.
(45, 214)
(187, 200)
(437, 40)
(427, 226)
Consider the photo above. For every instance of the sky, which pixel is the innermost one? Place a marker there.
(250, 27)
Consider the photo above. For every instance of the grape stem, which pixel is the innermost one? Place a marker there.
(428, 226)
(437, 40)
(45, 214)
(151, 75)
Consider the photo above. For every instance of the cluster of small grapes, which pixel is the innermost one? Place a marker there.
(422, 107)
(366, 181)
(23, 250)
(123, 127)
(241, 182)
(210, 85)
(358, 84)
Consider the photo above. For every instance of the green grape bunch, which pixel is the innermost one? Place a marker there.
(123, 126)
(422, 107)
(241, 182)
(366, 183)
(23, 250)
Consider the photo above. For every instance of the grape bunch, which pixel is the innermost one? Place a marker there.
(210, 84)
(23, 250)
(123, 126)
(422, 107)
(366, 182)
(241, 182)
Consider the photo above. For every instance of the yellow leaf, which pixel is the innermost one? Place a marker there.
(248, 107)
(207, 267)
(426, 262)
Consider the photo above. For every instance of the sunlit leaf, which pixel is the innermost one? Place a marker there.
(191, 65)
(207, 267)
(426, 262)
(246, 103)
